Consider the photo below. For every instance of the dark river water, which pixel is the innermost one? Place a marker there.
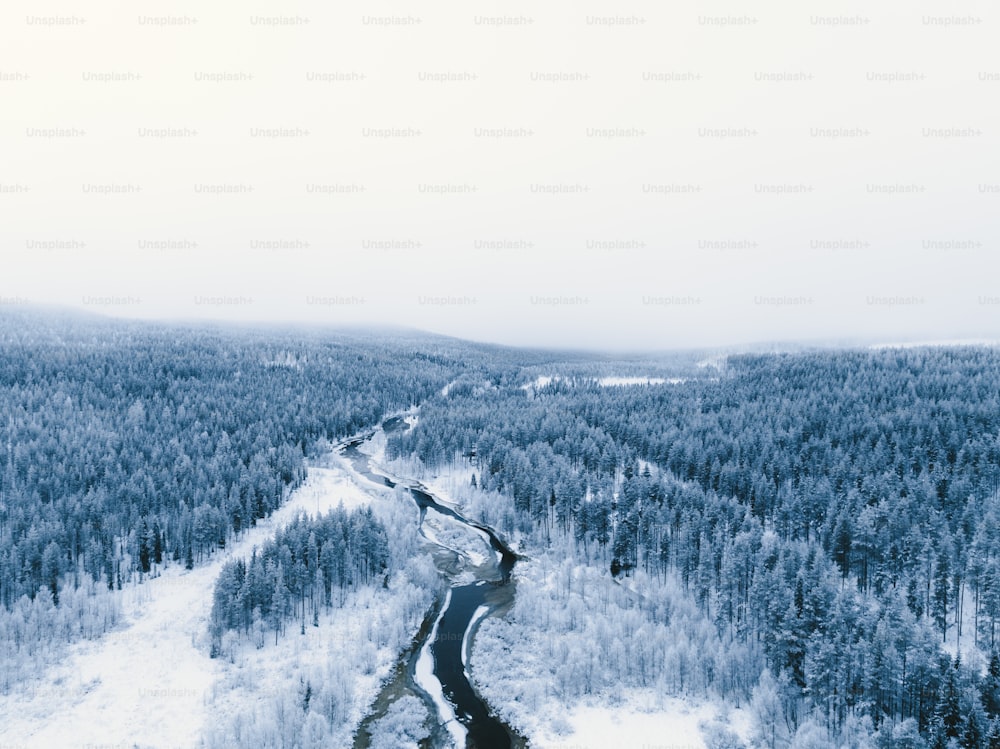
(491, 590)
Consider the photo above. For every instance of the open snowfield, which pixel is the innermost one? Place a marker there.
(609, 381)
(148, 684)
(622, 381)
(641, 719)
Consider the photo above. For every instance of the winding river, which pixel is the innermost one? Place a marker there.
(445, 635)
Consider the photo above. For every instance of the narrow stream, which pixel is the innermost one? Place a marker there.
(451, 628)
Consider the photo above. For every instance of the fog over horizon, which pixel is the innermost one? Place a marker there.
(574, 175)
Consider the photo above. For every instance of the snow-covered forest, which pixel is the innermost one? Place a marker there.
(308, 565)
(801, 549)
(833, 516)
(128, 448)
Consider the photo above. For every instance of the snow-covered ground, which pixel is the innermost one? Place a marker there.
(609, 381)
(152, 682)
(477, 616)
(972, 654)
(541, 381)
(620, 381)
(639, 719)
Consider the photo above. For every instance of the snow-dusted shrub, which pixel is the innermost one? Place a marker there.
(404, 725)
(717, 736)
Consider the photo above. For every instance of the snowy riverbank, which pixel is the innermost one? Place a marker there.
(579, 661)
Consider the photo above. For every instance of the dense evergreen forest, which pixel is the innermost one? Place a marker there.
(306, 567)
(835, 514)
(127, 447)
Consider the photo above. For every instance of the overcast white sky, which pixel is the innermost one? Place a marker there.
(628, 174)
